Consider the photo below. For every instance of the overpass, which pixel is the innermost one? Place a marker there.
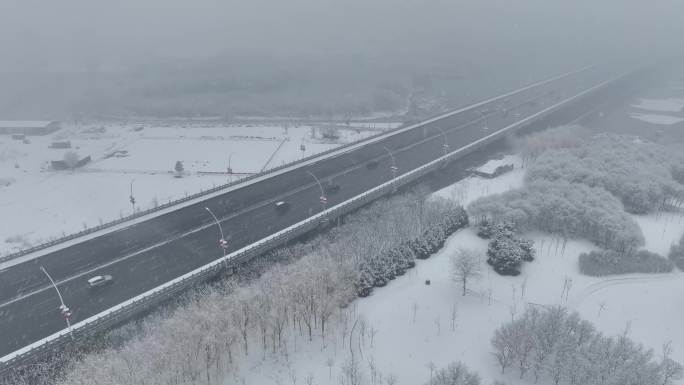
(149, 252)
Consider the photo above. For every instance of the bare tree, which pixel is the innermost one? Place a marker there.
(465, 265)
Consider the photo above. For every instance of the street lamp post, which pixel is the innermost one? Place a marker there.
(66, 312)
(445, 145)
(230, 169)
(394, 167)
(223, 243)
(131, 198)
(323, 199)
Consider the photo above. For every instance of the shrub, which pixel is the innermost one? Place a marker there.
(485, 229)
(506, 252)
(607, 262)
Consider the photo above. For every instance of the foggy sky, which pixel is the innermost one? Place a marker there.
(72, 34)
(120, 57)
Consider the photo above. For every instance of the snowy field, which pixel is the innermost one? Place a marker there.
(410, 326)
(667, 111)
(43, 204)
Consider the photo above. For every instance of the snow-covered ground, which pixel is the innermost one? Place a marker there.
(662, 105)
(657, 119)
(412, 325)
(41, 204)
(665, 111)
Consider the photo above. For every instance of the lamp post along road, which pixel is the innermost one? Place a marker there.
(445, 145)
(323, 199)
(66, 312)
(223, 243)
(393, 167)
(230, 169)
(131, 198)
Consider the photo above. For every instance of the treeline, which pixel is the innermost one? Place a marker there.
(552, 344)
(398, 257)
(300, 298)
(639, 174)
(580, 185)
(607, 262)
(571, 210)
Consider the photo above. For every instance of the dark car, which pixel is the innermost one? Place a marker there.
(332, 188)
(372, 164)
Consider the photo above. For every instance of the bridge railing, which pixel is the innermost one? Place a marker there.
(153, 297)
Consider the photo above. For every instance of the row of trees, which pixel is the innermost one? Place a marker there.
(552, 344)
(377, 270)
(639, 174)
(607, 262)
(571, 210)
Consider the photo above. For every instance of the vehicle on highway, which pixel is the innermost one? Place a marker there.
(282, 206)
(100, 280)
(332, 188)
(372, 164)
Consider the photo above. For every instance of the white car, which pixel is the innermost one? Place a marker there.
(100, 280)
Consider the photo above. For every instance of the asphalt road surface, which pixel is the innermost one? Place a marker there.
(149, 253)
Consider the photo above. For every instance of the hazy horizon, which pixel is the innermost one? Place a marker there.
(80, 56)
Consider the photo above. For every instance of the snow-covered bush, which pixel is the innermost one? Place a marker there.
(677, 254)
(559, 346)
(607, 262)
(485, 229)
(504, 256)
(569, 209)
(532, 146)
(506, 253)
(456, 373)
(637, 173)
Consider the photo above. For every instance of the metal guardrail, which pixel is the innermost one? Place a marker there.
(127, 309)
(250, 177)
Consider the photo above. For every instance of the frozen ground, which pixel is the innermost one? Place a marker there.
(657, 119)
(666, 111)
(662, 105)
(37, 204)
(412, 324)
